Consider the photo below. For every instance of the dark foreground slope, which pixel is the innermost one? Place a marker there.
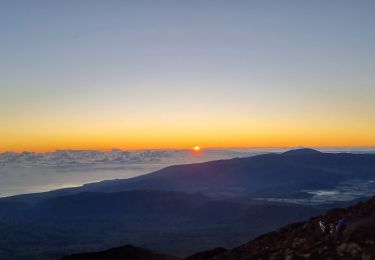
(125, 252)
(303, 240)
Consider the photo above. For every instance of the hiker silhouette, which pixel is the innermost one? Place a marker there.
(341, 225)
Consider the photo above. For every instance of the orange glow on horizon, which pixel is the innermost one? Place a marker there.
(149, 134)
(242, 141)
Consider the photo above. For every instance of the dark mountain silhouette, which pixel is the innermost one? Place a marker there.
(207, 254)
(268, 174)
(304, 240)
(126, 252)
(303, 152)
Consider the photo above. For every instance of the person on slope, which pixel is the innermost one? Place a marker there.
(341, 225)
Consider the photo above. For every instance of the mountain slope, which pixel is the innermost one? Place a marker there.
(268, 173)
(306, 240)
(172, 222)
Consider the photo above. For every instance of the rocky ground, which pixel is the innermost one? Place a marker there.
(306, 240)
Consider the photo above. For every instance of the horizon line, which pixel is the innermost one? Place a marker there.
(185, 149)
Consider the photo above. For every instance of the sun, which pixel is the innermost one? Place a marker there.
(196, 148)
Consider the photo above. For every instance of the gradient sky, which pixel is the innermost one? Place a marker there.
(175, 74)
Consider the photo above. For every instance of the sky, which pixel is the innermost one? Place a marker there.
(175, 74)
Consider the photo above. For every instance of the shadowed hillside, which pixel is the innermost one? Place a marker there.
(304, 240)
(172, 222)
(126, 252)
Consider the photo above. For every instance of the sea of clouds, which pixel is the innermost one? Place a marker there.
(28, 172)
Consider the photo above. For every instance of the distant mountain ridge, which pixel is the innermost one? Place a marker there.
(267, 175)
(303, 152)
(300, 169)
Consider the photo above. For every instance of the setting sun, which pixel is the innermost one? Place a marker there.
(196, 148)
